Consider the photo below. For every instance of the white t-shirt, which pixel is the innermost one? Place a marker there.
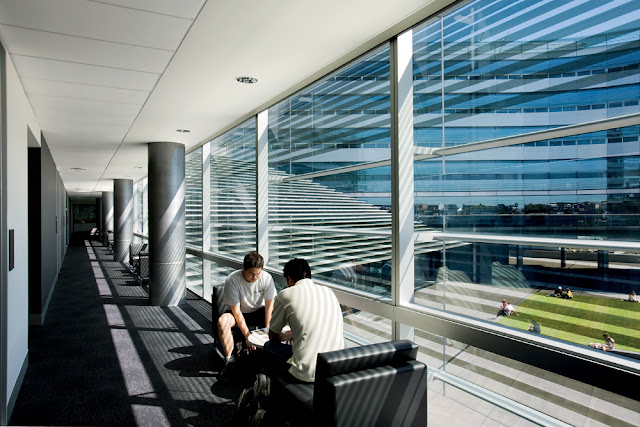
(250, 296)
(315, 317)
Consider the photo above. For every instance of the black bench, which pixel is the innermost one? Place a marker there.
(372, 385)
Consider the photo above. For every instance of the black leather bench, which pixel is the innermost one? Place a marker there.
(372, 385)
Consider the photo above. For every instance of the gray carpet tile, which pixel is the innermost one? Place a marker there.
(105, 357)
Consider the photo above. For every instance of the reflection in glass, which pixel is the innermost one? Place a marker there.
(557, 396)
(233, 191)
(361, 327)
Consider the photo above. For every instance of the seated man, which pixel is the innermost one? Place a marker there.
(249, 293)
(315, 318)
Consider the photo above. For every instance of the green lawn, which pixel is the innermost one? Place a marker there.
(581, 320)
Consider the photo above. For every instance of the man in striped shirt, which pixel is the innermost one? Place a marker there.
(315, 317)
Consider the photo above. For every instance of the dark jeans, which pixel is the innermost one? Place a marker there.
(276, 355)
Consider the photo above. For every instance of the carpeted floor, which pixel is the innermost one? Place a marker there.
(104, 357)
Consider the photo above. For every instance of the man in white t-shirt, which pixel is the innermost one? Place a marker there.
(315, 317)
(249, 293)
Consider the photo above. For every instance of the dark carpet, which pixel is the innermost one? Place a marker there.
(105, 357)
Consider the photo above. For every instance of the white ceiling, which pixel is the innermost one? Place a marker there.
(104, 78)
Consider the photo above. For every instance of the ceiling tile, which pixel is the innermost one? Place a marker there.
(184, 8)
(45, 45)
(47, 69)
(96, 20)
(82, 91)
(82, 120)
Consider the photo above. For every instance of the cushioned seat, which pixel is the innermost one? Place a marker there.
(373, 385)
(134, 254)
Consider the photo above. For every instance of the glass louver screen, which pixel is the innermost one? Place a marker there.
(340, 223)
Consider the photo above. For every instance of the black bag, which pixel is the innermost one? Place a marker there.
(253, 403)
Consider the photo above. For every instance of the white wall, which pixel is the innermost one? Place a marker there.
(19, 114)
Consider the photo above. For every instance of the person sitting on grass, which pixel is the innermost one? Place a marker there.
(608, 345)
(508, 309)
(633, 297)
(556, 293)
(567, 294)
(535, 327)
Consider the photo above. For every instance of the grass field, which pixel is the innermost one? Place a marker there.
(581, 320)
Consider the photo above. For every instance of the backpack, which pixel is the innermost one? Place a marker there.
(253, 403)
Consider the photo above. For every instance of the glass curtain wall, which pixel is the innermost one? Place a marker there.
(534, 215)
(526, 178)
(232, 203)
(329, 200)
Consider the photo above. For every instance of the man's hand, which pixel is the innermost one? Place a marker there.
(249, 345)
(287, 336)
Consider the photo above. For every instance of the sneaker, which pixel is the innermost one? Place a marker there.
(229, 367)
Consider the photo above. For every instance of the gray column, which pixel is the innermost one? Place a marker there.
(167, 230)
(123, 218)
(107, 216)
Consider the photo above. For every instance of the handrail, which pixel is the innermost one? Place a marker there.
(603, 245)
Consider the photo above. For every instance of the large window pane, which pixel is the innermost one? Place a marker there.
(233, 191)
(140, 208)
(193, 197)
(193, 202)
(341, 121)
(496, 69)
(338, 220)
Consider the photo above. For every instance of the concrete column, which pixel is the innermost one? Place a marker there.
(106, 225)
(123, 218)
(167, 229)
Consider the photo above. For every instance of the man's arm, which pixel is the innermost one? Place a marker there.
(268, 310)
(273, 336)
(278, 319)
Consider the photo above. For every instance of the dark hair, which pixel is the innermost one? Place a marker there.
(297, 269)
(252, 260)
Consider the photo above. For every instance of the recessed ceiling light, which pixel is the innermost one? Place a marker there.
(247, 80)
(137, 167)
(183, 130)
(79, 169)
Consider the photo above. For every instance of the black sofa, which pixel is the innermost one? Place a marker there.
(373, 385)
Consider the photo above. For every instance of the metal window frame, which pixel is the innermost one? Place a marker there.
(4, 415)
(262, 184)
(402, 188)
(206, 217)
(424, 153)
